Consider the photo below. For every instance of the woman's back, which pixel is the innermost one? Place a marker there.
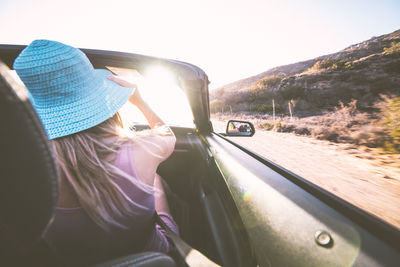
(79, 241)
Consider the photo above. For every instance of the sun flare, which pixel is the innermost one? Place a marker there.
(160, 90)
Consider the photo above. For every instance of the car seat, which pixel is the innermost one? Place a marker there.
(29, 188)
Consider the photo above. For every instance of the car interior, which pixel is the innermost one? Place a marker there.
(206, 214)
(228, 201)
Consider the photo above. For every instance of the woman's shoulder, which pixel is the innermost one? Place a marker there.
(158, 142)
(141, 154)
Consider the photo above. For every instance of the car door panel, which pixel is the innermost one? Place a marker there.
(192, 174)
(282, 219)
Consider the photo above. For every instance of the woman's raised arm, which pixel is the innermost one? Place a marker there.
(137, 100)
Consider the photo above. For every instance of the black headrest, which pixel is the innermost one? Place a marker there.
(28, 173)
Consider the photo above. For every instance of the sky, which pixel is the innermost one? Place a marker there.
(228, 39)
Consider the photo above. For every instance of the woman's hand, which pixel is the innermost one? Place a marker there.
(136, 99)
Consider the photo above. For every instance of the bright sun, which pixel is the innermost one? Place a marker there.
(159, 89)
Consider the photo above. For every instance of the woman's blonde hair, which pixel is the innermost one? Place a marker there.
(86, 161)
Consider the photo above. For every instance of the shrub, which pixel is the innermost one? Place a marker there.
(393, 49)
(338, 65)
(267, 126)
(264, 108)
(391, 121)
(292, 92)
(328, 64)
(269, 81)
(257, 93)
(348, 65)
(261, 89)
(369, 135)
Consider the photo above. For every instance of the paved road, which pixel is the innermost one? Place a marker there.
(375, 189)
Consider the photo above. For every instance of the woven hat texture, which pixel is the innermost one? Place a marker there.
(68, 94)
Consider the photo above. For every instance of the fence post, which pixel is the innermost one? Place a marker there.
(290, 109)
(273, 109)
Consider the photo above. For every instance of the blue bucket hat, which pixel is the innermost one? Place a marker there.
(68, 94)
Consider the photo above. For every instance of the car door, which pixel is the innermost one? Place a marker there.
(291, 222)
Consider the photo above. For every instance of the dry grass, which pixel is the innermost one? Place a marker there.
(364, 132)
(343, 125)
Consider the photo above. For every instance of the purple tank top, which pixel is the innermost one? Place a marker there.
(79, 241)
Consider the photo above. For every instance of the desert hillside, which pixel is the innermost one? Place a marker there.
(350, 96)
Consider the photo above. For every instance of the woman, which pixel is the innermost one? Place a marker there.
(109, 189)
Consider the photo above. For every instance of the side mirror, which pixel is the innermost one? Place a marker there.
(239, 128)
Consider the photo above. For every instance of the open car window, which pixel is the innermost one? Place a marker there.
(161, 92)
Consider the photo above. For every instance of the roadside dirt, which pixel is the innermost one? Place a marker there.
(348, 173)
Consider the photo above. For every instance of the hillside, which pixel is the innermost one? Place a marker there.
(362, 71)
(352, 96)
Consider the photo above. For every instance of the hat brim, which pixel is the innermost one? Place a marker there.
(103, 100)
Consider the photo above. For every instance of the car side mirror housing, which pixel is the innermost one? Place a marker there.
(239, 128)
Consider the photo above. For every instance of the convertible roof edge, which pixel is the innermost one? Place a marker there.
(195, 79)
